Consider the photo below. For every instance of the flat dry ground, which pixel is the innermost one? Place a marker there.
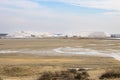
(54, 43)
(34, 65)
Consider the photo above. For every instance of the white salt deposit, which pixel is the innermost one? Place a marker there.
(68, 51)
(90, 52)
(115, 56)
(26, 51)
(92, 44)
(8, 51)
(81, 51)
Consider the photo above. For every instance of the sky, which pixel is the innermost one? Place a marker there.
(60, 16)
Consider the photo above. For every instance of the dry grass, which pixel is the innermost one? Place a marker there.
(66, 61)
(31, 66)
(1, 78)
(28, 70)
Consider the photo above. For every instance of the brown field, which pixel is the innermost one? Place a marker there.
(30, 66)
(53, 43)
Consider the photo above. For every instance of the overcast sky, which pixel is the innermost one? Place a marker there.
(60, 16)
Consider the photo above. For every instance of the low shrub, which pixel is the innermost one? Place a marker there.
(111, 73)
(64, 75)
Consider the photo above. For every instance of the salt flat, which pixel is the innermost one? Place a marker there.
(53, 54)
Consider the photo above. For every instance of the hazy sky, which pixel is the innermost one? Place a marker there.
(60, 16)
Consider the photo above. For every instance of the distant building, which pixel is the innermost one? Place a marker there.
(90, 35)
(29, 34)
(58, 35)
(3, 35)
(115, 35)
(99, 35)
